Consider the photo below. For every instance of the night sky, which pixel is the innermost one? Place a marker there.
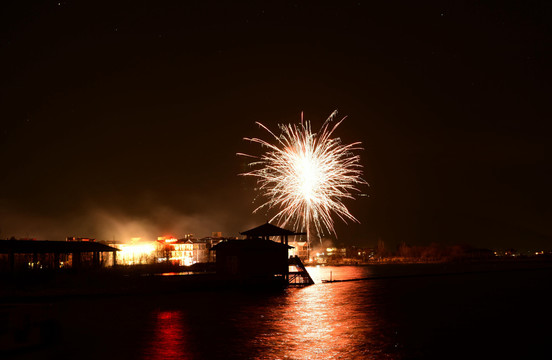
(123, 118)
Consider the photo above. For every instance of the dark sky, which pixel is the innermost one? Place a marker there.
(123, 118)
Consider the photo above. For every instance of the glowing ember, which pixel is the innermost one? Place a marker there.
(307, 175)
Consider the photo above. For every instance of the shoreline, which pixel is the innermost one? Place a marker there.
(21, 288)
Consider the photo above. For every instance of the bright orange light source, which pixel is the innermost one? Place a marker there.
(167, 239)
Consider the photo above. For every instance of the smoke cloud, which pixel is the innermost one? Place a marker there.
(103, 224)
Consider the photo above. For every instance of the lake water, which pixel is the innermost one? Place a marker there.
(497, 314)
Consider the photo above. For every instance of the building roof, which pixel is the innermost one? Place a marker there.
(46, 246)
(269, 230)
(256, 244)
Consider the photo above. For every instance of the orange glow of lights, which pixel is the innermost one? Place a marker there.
(167, 239)
(136, 253)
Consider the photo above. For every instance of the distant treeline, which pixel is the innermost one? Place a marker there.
(432, 252)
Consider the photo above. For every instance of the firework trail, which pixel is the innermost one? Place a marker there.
(306, 175)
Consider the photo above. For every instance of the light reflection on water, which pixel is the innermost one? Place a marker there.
(441, 317)
(319, 273)
(317, 322)
(322, 321)
(168, 340)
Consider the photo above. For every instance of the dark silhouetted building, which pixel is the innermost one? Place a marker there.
(255, 260)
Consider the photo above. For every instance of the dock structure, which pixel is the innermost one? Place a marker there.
(255, 262)
(258, 259)
(299, 276)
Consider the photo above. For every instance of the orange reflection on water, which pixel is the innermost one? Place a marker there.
(324, 321)
(168, 341)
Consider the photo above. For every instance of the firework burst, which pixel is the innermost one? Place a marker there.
(306, 175)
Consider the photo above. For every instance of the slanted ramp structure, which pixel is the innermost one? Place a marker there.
(300, 276)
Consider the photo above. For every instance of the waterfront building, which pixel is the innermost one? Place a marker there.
(258, 259)
(200, 251)
(252, 259)
(52, 255)
(186, 251)
(300, 249)
(175, 251)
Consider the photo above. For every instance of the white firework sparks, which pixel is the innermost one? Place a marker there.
(307, 175)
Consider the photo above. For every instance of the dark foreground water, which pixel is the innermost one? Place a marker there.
(496, 315)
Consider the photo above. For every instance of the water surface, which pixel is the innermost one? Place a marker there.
(474, 315)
